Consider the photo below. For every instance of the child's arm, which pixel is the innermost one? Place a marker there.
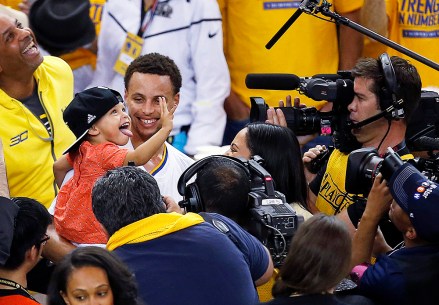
(60, 169)
(144, 152)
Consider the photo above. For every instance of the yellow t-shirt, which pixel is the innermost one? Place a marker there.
(11, 3)
(415, 25)
(332, 197)
(264, 291)
(309, 47)
(373, 48)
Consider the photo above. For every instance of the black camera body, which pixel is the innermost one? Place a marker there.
(365, 164)
(309, 120)
(272, 220)
(302, 121)
(335, 88)
(423, 128)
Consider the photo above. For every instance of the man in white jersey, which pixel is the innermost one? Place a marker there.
(190, 33)
(148, 77)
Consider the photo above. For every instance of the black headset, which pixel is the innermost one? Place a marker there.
(391, 105)
(389, 93)
(191, 195)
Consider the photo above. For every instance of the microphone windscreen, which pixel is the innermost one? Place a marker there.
(272, 81)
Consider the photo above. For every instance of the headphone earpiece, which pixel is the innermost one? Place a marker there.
(191, 195)
(192, 200)
(389, 93)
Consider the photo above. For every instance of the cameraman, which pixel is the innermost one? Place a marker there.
(409, 273)
(224, 189)
(373, 95)
(222, 186)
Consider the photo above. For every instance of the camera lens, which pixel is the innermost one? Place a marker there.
(363, 166)
(370, 168)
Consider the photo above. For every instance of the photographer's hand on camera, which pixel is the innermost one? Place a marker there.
(277, 117)
(378, 203)
(307, 159)
(379, 199)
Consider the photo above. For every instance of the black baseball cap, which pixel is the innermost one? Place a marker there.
(86, 108)
(419, 198)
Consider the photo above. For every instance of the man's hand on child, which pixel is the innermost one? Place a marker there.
(171, 205)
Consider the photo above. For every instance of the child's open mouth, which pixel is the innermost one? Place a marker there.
(124, 128)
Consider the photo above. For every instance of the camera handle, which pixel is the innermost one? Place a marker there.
(325, 11)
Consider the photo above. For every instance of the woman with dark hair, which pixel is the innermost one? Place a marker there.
(318, 259)
(92, 275)
(279, 148)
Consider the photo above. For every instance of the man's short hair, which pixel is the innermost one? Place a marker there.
(224, 188)
(125, 195)
(407, 78)
(155, 63)
(31, 225)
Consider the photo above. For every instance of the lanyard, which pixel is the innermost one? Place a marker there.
(15, 285)
(149, 15)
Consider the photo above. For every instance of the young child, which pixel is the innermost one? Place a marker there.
(98, 118)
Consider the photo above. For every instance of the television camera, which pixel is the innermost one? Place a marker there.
(269, 217)
(422, 129)
(335, 88)
(272, 220)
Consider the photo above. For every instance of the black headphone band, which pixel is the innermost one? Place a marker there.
(389, 73)
(197, 166)
(390, 100)
(389, 93)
